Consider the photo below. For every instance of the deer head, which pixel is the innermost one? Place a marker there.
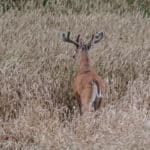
(81, 45)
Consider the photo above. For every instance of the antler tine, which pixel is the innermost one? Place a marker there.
(78, 37)
(98, 37)
(95, 39)
(92, 38)
(66, 38)
(68, 35)
(89, 44)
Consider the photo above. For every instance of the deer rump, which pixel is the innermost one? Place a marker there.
(90, 96)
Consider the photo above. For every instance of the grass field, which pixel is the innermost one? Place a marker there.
(37, 106)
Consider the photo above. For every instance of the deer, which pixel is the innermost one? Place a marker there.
(88, 86)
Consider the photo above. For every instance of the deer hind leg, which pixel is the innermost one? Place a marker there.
(97, 103)
(84, 105)
(85, 99)
(93, 98)
(96, 96)
(98, 99)
(77, 96)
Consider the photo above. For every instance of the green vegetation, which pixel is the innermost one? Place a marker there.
(78, 6)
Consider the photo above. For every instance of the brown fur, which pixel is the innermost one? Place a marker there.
(83, 82)
(86, 77)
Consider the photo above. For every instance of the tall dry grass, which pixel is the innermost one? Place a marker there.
(36, 74)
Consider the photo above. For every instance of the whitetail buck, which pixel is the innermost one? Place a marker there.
(88, 85)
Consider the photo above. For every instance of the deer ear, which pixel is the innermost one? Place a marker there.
(98, 37)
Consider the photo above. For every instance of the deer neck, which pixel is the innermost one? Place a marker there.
(84, 62)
